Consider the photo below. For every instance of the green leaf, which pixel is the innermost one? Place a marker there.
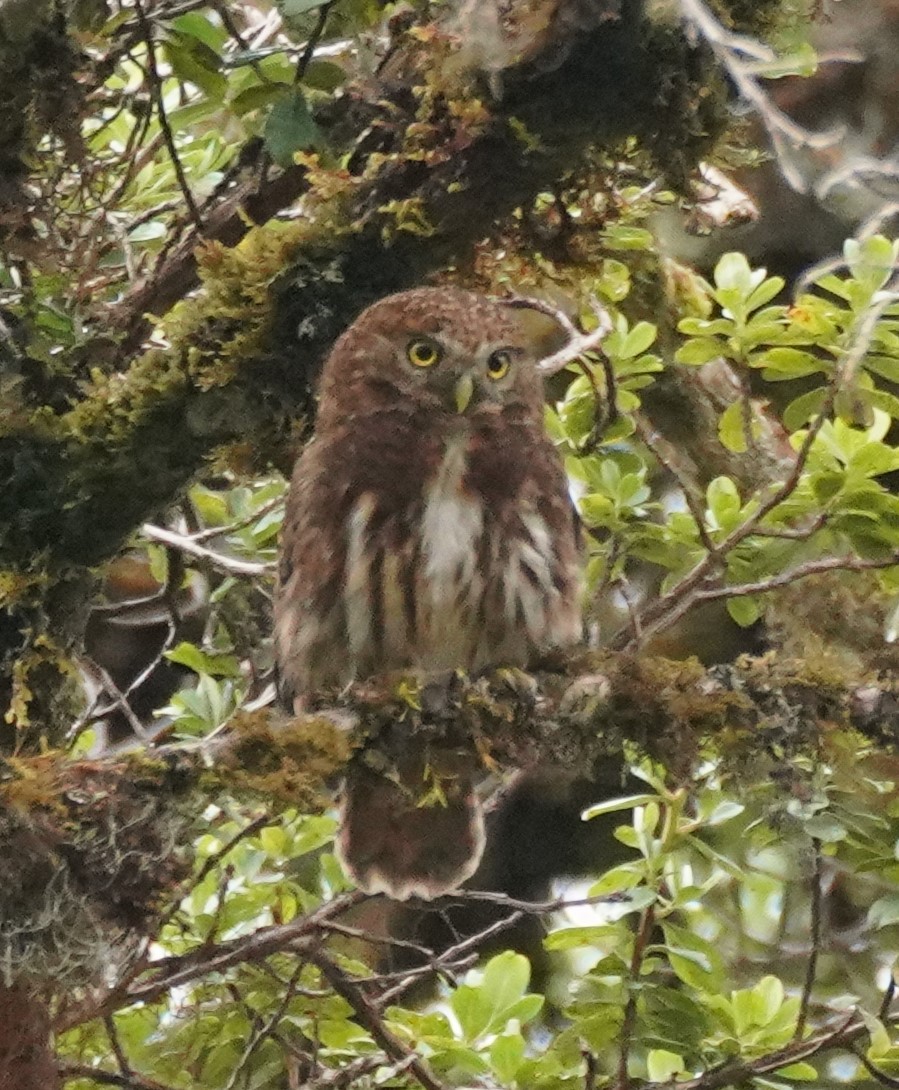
(662, 1065)
(638, 340)
(256, 97)
(196, 25)
(487, 1006)
(506, 1056)
(886, 402)
(596, 510)
(803, 408)
(194, 62)
(617, 880)
(614, 280)
(884, 912)
(203, 662)
(733, 424)
(881, 1044)
(723, 502)
(872, 260)
(874, 459)
(324, 76)
(621, 237)
(612, 806)
(274, 840)
(706, 327)
(802, 1072)
(745, 610)
(732, 274)
(724, 810)
(765, 292)
(728, 866)
(767, 999)
(695, 961)
(783, 363)
(699, 351)
(574, 938)
(885, 366)
(290, 128)
(800, 61)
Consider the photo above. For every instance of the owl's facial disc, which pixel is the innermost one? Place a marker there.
(469, 376)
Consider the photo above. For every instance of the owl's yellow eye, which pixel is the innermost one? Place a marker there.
(423, 353)
(498, 364)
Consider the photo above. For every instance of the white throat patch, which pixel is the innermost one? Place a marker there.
(451, 525)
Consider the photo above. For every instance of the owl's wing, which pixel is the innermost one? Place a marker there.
(310, 636)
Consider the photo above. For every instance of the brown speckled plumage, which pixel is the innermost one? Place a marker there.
(421, 534)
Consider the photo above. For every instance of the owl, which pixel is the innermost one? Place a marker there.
(428, 529)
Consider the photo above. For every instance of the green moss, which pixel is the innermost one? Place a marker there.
(237, 303)
(291, 761)
(762, 16)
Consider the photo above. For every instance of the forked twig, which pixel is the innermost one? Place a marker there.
(578, 342)
(740, 56)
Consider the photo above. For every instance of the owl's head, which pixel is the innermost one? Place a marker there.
(444, 350)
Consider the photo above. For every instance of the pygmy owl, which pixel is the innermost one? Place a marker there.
(428, 528)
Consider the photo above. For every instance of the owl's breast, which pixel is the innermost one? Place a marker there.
(455, 582)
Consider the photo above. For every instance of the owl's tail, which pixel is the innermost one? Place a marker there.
(389, 843)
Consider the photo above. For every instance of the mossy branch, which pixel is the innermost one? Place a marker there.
(88, 823)
(244, 352)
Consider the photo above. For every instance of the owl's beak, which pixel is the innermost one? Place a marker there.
(462, 391)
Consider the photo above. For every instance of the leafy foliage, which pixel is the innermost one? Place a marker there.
(747, 930)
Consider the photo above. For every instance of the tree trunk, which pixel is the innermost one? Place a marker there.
(27, 1061)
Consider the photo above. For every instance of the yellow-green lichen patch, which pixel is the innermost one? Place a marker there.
(45, 695)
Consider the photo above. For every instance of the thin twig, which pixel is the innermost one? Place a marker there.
(187, 545)
(668, 456)
(453, 960)
(811, 969)
(116, 1045)
(119, 701)
(629, 1022)
(875, 1072)
(211, 862)
(309, 52)
(370, 1019)
(168, 973)
(732, 51)
(865, 329)
(795, 533)
(737, 1072)
(159, 99)
(578, 343)
(532, 908)
(591, 1070)
(353, 1072)
(672, 605)
(238, 524)
(793, 575)
(374, 940)
(130, 1081)
(889, 994)
(268, 1028)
